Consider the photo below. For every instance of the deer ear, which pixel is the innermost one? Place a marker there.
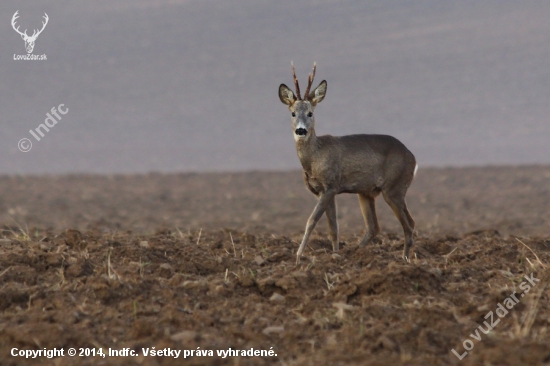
(318, 94)
(286, 95)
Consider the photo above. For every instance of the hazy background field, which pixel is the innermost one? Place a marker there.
(189, 85)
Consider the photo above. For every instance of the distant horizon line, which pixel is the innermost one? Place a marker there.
(249, 171)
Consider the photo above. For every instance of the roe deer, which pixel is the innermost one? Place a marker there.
(362, 164)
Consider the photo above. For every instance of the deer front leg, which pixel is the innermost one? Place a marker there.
(320, 208)
(333, 224)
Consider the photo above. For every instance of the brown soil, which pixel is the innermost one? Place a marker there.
(187, 261)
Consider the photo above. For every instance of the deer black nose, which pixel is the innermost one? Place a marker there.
(301, 131)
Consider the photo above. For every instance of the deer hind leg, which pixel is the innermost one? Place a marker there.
(332, 224)
(396, 200)
(369, 214)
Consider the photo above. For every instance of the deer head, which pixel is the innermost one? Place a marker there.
(29, 40)
(302, 109)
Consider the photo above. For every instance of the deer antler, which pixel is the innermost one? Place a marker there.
(46, 18)
(296, 85)
(310, 81)
(36, 32)
(13, 19)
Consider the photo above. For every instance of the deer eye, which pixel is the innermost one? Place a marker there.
(310, 114)
(293, 114)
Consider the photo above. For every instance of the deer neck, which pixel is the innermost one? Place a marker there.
(307, 149)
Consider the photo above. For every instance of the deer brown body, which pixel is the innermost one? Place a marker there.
(363, 164)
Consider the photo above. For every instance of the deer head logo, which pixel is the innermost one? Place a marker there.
(29, 40)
